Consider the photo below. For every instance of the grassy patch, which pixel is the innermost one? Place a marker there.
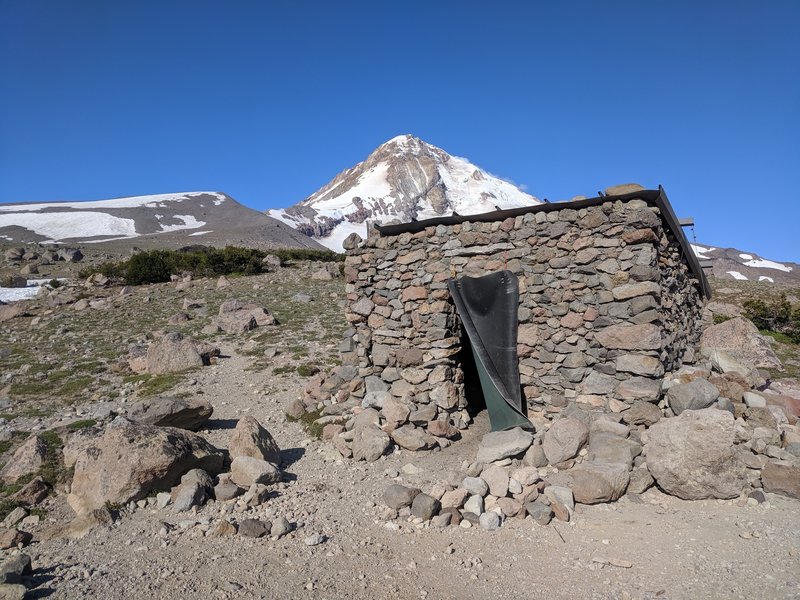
(307, 370)
(152, 385)
(83, 424)
(308, 421)
(283, 370)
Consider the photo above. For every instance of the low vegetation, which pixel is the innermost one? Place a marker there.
(157, 266)
(776, 316)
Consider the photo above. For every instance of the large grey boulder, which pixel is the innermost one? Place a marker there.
(564, 439)
(183, 413)
(694, 395)
(740, 338)
(692, 455)
(251, 439)
(398, 496)
(130, 460)
(172, 353)
(504, 444)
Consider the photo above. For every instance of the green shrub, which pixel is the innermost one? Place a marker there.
(721, 319)
(156, 266)
(775, 315)
(307, 370)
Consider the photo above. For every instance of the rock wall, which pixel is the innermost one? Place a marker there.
(607, 305)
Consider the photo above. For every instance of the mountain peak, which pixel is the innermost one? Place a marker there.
(404, 179)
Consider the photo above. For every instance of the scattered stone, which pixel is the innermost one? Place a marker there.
(596, 482)
(564, 439)
(222, 528)
(12, 538)
(314, 540)
(490, 521)
(246, 471)
(539, 512)
(497, 480)
(33, 492)
(781, 479)
(474, 506)
(425, 506)
(280, 527)
(397, 496)
(498, 445)
(370, 443)
(254, 528)
(476, 486)
(695, 395)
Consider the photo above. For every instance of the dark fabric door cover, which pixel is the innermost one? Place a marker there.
(488, 309)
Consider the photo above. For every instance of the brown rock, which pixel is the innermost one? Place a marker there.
(11, 538)
(27, 459)
(442, 429)
(781, 479)
(172, 353)
(34, 492)
(251, 439)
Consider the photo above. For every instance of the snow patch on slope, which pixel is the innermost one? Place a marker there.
(763, 263)
(151, 201)
(737, 275)
(63, 225)
(189, 222)
(700, 251)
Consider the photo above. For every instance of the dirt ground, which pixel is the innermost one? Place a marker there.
(665, 547)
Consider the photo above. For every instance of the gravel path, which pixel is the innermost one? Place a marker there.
(651, 547)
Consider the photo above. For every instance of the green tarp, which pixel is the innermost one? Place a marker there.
(488, 309)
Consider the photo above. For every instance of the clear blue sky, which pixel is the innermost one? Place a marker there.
(267, 101)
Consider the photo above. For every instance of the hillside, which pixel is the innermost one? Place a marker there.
(164, 220)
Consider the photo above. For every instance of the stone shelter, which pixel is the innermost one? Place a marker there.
(610, 299)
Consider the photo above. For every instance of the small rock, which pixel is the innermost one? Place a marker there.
(489, 521)
(254, 528)
(314, 540)
(503, 444)
(425, 506)
(397, 496)
(280, 527)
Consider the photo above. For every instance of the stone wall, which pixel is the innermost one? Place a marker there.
(608, 303)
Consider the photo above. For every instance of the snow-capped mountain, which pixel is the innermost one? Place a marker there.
(210, 218)
(404, 179)
(730, 263)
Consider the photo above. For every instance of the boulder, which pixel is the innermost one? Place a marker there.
(182, 413)
(645, 336)
(425, 507)
(33, 492)
(254, 528)
(694, 395)
(246, 471)
(781, 479)
(639, 388)
(564, 439)
(27, 459)
(740, 338)
(11, 538)
(398, 496)
(250, 438)
(497, 480)
(13, 568)
(172, 353)
(642, 413)
(504, 444)
(131, 460)
(412, 438)
(596, 482)
(369, 443)
(11, 311)
(692, 455)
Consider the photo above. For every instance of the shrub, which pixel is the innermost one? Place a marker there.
(775, 315)
(156, 266)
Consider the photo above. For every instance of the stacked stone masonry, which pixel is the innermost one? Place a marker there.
(608, 304)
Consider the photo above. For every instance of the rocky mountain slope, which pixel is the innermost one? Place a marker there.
(730, 263)
(163, 220)
(405, 179)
